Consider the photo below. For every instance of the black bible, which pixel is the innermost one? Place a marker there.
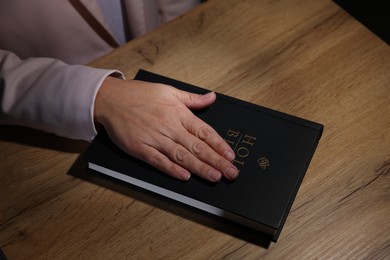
(273, 151)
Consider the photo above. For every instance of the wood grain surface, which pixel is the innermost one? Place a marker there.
(303, 57)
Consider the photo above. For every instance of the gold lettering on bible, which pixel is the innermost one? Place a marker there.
(263, 163)
(241, 144)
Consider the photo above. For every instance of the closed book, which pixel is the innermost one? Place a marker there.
(273, 151)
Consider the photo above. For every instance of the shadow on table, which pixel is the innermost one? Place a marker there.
(35, 138)
(79, 170)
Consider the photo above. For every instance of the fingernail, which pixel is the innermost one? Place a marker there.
(185, 176)
(214, 175)
(209, 94)
(229, 155)
(231, 172)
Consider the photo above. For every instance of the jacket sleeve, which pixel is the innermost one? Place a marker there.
(49, 95)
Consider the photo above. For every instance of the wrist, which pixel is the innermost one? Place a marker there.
(102, 99)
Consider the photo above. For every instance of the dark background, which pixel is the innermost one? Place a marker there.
(374, 14)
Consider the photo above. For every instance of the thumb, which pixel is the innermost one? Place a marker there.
(196, 101)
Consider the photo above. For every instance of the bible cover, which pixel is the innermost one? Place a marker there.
(273, 151)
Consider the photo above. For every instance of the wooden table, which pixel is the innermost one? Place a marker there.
(307, 58)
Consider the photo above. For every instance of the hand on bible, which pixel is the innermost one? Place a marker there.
(153, 122)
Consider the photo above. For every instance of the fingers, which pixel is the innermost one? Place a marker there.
(208, 135)
(201, 150)
(206, 154)
(210, 164)
(193, 154)
(198, 127)
(164, 164)
(195, 101)
(182, 156)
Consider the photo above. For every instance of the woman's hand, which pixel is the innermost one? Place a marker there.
(153, 122)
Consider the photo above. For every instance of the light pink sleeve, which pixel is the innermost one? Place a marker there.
(49, 95)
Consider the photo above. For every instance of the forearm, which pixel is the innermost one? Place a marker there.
(49, 95)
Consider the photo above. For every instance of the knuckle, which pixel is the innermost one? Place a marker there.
(166, 125)
(198, 148)
(155, 160)
(193, 98)
(180, 154)
(204, 132)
